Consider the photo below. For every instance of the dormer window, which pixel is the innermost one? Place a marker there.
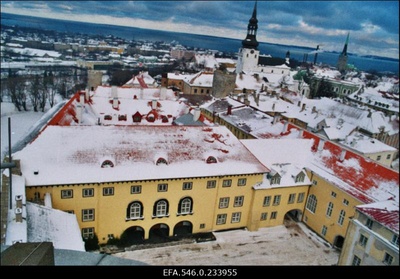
(300, 177)
(107, 164)
(161, 161)
(211, 160)
(276, 179)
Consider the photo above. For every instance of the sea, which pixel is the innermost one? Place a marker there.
(226, 45)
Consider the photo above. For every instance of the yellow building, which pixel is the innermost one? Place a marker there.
(143, 181)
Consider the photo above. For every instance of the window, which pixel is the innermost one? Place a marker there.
(161, 161)
(312, 203)
(67, 194)
(267, 201)
(107, 164)
(238, 201)
(329, 209)
(277, 200)
(388, 157)
(135, 210)
(202, 226)
(223, 202)
(378, 158)
(227, 183)
(221, 219)
(388, 259)
(160, 208)
(300, 177)
(211, 184)
(163, 187)
(292, 198)
(264, 216)
(274, 214)
(211, 160)
(356, 261)
(187, 185)
(242, 181)
(333, 194)
(395, 240)
(300, 197)
(324, 230)
(345, 202)
(108, 191)
(136, 189)
(341, 217)
(87, 215)
(363, 240)
(185, 206)
(369, 223)
(276, 179)
(87, 192)
(87, 233)
(236, 217)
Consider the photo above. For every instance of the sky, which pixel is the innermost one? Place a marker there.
(373, 25)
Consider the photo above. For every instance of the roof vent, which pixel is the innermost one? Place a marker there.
(36, 172)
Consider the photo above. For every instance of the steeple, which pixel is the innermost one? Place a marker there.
(342, 61)
(250, 41)
(344, 52)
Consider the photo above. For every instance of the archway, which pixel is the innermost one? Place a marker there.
(338, 242)
(159, 233)
(132, 235)
(183, 228)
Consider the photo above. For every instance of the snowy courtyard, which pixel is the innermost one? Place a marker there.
(292, 244)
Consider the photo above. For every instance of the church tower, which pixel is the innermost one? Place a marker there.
(342, 61)
(248, 53)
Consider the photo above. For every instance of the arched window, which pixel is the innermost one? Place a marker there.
(185, 206)
(107, 164)
(135, 210)
(161, 161)
(160, 208)
(211, 160)
(312, 203)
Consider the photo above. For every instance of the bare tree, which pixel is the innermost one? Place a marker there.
(35, 92)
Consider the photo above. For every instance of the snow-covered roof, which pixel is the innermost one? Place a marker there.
(74, 154)
(385, 212)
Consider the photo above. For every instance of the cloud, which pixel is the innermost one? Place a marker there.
(303, 23)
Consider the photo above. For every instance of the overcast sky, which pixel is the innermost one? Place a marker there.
(373, 25)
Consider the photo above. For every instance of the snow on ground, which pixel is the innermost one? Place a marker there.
(291, 244)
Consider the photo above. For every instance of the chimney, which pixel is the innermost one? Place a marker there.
(273, 107)
(163, 93)
(321, 144)
(301, 133)
(154, 104)
(18, 214)
(79, 112)
(87, 95)
(298, 103)
(314, 109)
(276, 119)
(196, 114)
(342, 155)
(229, 111)
(285, 127)
(369, 113)
(82, 97)
(303, 107)
(114, 95)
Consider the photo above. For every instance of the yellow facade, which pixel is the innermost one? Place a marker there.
(110, 212)
(328, 220)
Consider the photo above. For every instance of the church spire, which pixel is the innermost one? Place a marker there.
(344, 52)
(250, 41)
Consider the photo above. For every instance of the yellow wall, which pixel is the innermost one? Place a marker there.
(284, 207)
(323, 191)
(110, 211)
